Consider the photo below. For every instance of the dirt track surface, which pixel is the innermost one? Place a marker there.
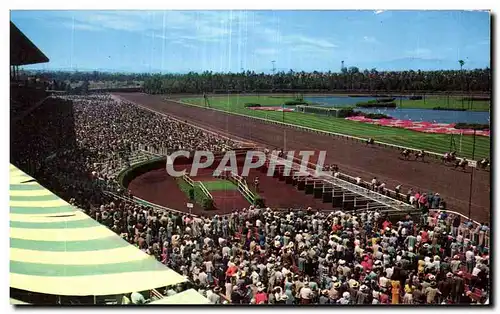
(158, 187)
(353, 158)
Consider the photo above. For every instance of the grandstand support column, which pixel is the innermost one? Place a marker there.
(284, 129)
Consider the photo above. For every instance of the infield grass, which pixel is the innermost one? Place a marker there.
(220, 185)
(438, 143)
(452, 102)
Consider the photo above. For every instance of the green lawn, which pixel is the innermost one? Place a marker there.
(220, 185)
(454, 102)
(438, 143)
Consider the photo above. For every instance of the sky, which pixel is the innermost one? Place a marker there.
(229, 41)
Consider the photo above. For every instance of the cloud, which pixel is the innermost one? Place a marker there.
(420, 53)
(183, 44)
(370, 39)
(276, 37)
(191, 25)
(379, 11)
(266, 51)
(318, 42)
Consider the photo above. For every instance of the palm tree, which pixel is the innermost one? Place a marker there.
(462, 62)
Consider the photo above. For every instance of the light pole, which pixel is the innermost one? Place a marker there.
(274, 69)
(472, 174)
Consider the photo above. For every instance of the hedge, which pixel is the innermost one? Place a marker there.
(347, 112)
(295, 103)
(415, 98)
(195, 194)
(375, 115)
(477, 98)
(252, 105)
(472, 126)
(376, 105)
(126, 175)
(354, 113)
(382, 100)
(449, 109)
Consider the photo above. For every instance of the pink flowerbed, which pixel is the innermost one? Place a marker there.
(272, 109)
(419, 126)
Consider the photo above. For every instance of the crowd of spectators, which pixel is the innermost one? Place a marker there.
(67, 142)
(258, 255)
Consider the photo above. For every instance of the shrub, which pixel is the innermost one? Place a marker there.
(252, 105)
(472, 126)
(384, 100)
(259, 201)
(207, 204)
(449, 109)
(477, 98)
(191, 194)
(376, 105)
(195, 194)
(347, 112)
(375, 115)
(295, 102)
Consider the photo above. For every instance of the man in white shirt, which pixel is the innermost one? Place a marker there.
(412, 199)
(202, 277)
(469, 260)
(137, 298)
(214, 297)
(476, 270)
(305, 293)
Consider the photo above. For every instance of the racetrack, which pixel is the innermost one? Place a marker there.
(352, 157)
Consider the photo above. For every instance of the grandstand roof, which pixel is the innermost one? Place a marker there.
(57, 249)
(22, 50)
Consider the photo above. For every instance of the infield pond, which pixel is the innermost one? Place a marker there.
(438, 116)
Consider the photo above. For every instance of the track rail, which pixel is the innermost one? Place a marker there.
(472, 163)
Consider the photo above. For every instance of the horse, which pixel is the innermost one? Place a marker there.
(335, 168)
(449, 157)
(484, 163)
(461, 163)
(420, 155)
(406, 154)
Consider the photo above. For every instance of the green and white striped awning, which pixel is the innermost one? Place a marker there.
(57, 249)
(189, 296)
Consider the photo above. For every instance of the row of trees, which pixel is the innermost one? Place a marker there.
(351, 79)
(75, 77)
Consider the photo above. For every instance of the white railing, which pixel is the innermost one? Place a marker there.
(140, 201)
(349, 137)
(198, 184)
(369, 194)
(204, 190)
(243, 187)
(465, 218)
